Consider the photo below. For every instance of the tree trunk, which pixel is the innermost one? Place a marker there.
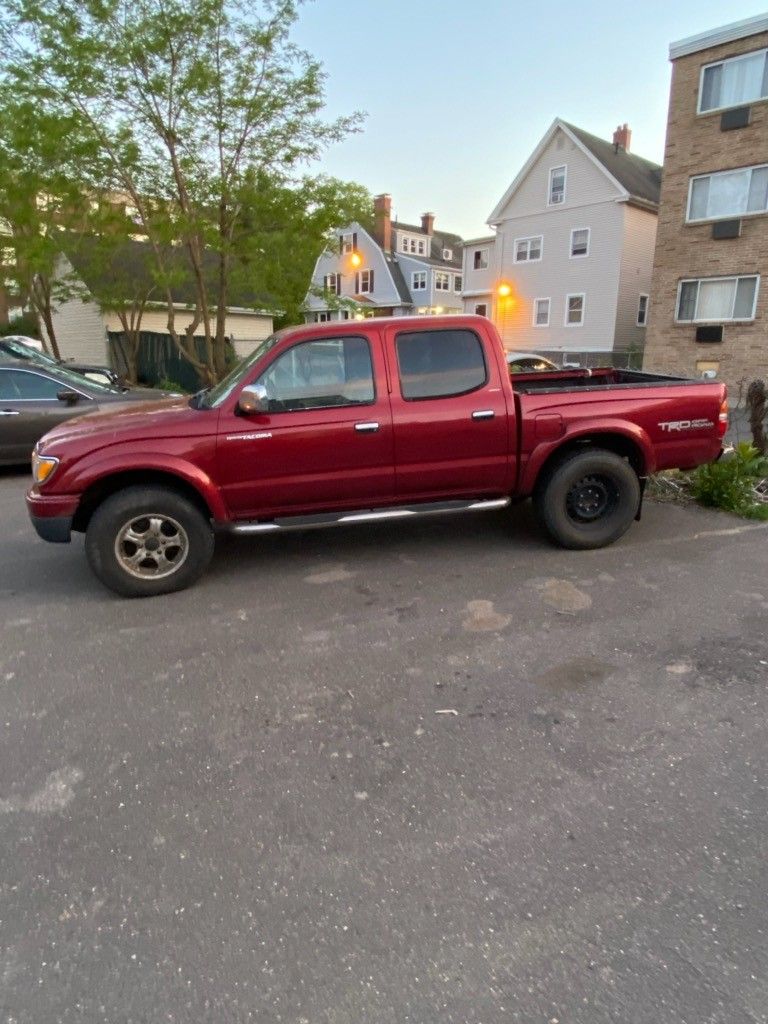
(756, 403)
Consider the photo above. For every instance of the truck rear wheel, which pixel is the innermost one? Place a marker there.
(144, 541)
(588, 500)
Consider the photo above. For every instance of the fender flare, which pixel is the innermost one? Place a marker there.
(90, 472)
(618, 428)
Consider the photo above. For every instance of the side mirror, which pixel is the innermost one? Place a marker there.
(68, 397)
(253, 399)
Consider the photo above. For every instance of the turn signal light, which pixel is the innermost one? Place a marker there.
(43, 467)
(722, 425)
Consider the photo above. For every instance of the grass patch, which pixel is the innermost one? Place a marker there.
(735, 483)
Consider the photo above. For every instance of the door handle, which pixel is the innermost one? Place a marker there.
(366, 428)
(483, 414)
(9, 412)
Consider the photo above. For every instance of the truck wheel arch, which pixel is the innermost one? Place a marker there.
(630, 448)
(107, 485)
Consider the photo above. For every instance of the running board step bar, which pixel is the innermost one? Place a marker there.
(325, 519)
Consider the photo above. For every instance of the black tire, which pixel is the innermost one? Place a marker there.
(146, 526)
(588, 500)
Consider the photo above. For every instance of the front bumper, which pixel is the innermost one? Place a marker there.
(52, 515)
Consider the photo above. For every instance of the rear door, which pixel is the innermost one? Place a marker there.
(449, 414)
(29, 408)
(326, 442)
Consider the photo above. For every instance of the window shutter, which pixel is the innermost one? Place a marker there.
(354, 241)
(341, 245)
(338, 284)
(371, 280)
(357, 282)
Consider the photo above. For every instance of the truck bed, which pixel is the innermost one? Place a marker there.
(602, 378)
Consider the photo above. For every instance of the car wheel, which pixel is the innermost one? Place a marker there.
(588, 500)
(144, 541)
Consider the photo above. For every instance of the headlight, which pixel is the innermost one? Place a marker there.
(43, 467)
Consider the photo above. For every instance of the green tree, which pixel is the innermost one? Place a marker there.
(192, 104)
(38, 200)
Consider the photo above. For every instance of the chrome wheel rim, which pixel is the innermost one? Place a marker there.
(151, 546)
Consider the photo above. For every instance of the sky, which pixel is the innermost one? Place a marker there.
(459, 92)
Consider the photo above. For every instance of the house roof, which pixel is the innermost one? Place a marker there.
(399, 280)
(439, 240)
(639, 179)
(125, 273)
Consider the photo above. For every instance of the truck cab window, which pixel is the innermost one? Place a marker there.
(438, 364)
(320, 374)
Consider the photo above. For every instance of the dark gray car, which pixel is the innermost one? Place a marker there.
(33, 400)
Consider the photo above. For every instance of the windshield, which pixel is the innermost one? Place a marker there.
(218, 394)
(78, 381)
(19, 350)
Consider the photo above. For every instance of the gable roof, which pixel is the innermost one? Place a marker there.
(637, 178)
(398, 279)
(640, 177)
(125, 273)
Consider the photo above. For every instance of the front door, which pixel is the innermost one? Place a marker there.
(453, 431)
(326, 441)
(29, 408)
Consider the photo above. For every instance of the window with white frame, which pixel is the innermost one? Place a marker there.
(579, 242)
(528, 250)
(729, 83)
(348, 242)
(481, 308)
(332, 283)
(364, 282)
(541, 312)
(322, 318)
(480, 259)
(728, 193)
(447, 254)
(418, 280)
(442, 281)
(557, 186)
(717, 298)
(409, 244)
(642, 311)
(457, 283)
(574, 310)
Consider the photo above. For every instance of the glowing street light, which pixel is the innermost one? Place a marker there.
(504, 290)
(355, 259)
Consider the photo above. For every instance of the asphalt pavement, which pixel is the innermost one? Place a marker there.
(433, 773)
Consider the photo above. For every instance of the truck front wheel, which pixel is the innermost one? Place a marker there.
(143, 541)
(588, 500)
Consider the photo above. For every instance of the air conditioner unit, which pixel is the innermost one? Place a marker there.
(447, 254)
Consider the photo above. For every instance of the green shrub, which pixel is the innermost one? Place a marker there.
(170, 385)
(729, 483)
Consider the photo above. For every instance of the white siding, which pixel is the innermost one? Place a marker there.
(557, 275)
(636, 265)
(586, 183)
(80, 332)
(246, 329)
(384, 291)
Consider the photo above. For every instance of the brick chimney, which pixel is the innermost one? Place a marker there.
(382, 219)
(427, 223)
(622, 138)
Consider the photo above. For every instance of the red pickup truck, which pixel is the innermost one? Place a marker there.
(361, 421)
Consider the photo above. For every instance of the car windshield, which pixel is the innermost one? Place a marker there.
(218, 394)
(19, 350)
(79, 382)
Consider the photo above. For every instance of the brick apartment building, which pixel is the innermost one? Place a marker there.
(709, 302)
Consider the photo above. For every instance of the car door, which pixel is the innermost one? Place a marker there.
(326, 441)
(29, 408)
(449, 413)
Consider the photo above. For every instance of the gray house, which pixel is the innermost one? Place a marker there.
(396, 269)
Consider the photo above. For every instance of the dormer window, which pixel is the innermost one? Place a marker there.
(411, 245)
